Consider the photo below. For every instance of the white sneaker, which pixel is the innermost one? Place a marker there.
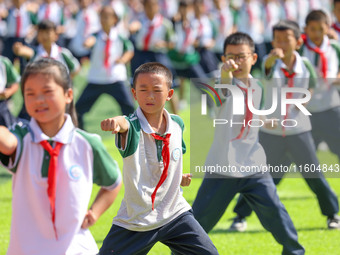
(333, 222)
(239, 224)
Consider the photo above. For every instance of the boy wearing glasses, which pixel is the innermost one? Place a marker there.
(238, 146)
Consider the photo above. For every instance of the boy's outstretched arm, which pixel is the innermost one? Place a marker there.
(8, 142)
(22, 50)
(117, 125)
(103, 201)
(274, 54)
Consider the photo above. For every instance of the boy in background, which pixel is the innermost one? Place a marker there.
(324, 54)
(238, 146)
(9, 84)
(107, 74)
(47, 38)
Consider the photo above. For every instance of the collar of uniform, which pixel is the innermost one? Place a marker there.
(155, 21)
(112, 35)
(145, 124)
(297, 68)
(54, 51)
(324, 45)
(242, 85)
(63, 136)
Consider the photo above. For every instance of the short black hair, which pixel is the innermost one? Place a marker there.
(237, 39)
(47, 25)
(317, 15)
(155, 68)
(336, 1)
(286, 24)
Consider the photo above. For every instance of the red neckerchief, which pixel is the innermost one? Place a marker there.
(166, 161)
(52, 177)
(107, 53)
(336, 27)
(47, 12)
(317, 50)
(248, 116)
(290, 78)
(18, 24)
(158, 20)
(186, 42)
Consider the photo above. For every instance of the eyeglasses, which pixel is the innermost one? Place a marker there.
(239, 57)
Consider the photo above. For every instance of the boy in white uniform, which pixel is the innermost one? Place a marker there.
(238, 147)
(54, 166)
(47, 38)
(153, 208)
(9, 84)
(324, 54)
(87, 24)
(107, 74)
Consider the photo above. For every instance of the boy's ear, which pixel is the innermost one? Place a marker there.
(170, 94)
(134, 93)
(69, 96)
(223, 58)
(254, 58)
(299, 43)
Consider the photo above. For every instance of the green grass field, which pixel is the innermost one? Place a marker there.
(294, 193)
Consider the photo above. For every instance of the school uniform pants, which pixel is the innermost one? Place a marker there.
(182, 235)
(117, 90)
(208, 61)
(6, 118)
(301, 151)
(216, 192)
(8, 51)
(326, 127)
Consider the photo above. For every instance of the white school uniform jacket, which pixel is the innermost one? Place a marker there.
(142, 169)
(273, 13)
(205, 30)
(3, 23)
(237, 153)
(51, 11)
(83, 160)
(325, 95)
(222, 22)
(98, 73)
(250, 20)
(87, 24)
(163, 31)
(27, 19)
(305, 78)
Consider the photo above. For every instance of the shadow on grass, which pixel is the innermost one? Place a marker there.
(282, 198)
(258, 231)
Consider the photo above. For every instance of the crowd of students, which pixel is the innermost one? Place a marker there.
(156, 45)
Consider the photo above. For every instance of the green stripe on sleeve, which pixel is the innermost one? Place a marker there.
(180, 122)
(105, 169)
(311, 70)
(12, 74)
(20, 131)
(132, 139)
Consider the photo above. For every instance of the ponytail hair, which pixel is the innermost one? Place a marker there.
(58, 71)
